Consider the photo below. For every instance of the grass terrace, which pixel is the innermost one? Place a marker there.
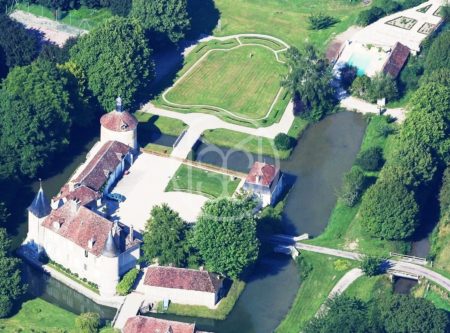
(83, 18)
(198, 181)
(242, 83)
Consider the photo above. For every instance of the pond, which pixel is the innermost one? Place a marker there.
(326, 150)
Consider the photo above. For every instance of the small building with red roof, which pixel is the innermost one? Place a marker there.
(264, 181)
(396, 60)
(140, 324)
(183, 286)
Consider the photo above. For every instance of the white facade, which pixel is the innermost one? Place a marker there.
(182, 296)
(128, 137)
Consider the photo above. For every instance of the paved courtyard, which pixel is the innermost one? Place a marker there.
(144, 188)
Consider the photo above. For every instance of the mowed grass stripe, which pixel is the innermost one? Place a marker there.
(244, 81)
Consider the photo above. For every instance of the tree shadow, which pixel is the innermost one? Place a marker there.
(204, 18)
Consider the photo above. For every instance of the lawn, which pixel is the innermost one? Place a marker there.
(199, 181)
(152, 126)
(324, 273)
(344, 229)
(83, 18)
(243, 81)
(367, 288)
(285, 19)
(222, 311)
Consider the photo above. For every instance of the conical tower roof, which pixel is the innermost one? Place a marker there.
(40, 206)
(110, 250)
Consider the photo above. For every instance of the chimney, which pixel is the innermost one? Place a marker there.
(258, 179)
(119, 104)
(91, 242)
(131, 235)
(74, 205)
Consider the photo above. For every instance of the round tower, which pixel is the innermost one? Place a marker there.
(119, 125)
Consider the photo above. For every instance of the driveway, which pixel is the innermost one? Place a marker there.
(144, 188)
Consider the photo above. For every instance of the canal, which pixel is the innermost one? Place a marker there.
(326, 150)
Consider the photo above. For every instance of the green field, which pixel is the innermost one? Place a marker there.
(38, 316)
(285, 19)
(83, 18)
(243, 81)
(324, 273)
(199, 181)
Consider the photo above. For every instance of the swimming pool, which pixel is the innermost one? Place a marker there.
(361, 61)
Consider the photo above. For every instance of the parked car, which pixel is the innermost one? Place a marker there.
(116, 197)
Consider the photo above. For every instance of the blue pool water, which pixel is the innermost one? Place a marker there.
(361, 61)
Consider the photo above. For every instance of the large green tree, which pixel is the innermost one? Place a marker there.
(116, 60)
(389, 211)
(34, 117)
(439, 53)
(11, 286)
(20, 47)
(225, 235)
(165, 237)
(169, 17)
(309, 81)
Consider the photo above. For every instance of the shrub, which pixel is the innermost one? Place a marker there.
(371, 265)
(369, 16)
(125, 285)
(283, 141)
(352, 186)
(348, 75)
(321, 21)
(88, 322)
(370, 159)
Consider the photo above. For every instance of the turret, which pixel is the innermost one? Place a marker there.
(109, 262)
(119, 125)
(37, 212)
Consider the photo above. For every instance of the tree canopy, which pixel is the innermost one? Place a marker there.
(225, 236)
(19, 46)
(168, 17)
(389, 210)
(439, 53)
(309, 81)
(165, 237)
(116, 60)
(34, 117)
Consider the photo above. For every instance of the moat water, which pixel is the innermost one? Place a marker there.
(324, 153)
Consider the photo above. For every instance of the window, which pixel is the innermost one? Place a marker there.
(86, 253)
(85, 267)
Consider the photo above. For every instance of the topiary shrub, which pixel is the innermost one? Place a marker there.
(88, 322)
(283, 142)
(370, 159)
(125, 285)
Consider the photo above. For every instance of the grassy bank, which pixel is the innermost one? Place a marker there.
(223, 309)
(344, 229)
(199, 181)
(367, 288)
(322, 273)
(38, 316)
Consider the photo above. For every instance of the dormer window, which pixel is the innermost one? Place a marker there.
(56, 225)
(91, 243)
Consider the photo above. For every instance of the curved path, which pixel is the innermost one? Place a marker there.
(397, 265)
(203, 57)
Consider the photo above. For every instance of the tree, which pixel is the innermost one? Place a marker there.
(88, 322)
(56, 54)
(361, 87)
(405, 313)
(439, 53)
(348, 75)
(352, 187)
(20, 47)
(444, 194)
(389, 211)
(370, 159)
(225, 235)
(309, 80)
(344, 314)
(116, 60)
(371, 265)
(120, 7)
(321, 21)
(369, 16)
(11, 286)
(439, 76)
(34, 117)
(169, 17)
(164, 237)
(283, 141)
(4, 214)
(383, 86)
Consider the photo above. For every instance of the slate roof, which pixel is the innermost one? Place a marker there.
(98, 170)
(262, 174)
(141, 324)
(182, 278)
(119, 121)
(79, 225)
(396, 60)
(40, 206)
